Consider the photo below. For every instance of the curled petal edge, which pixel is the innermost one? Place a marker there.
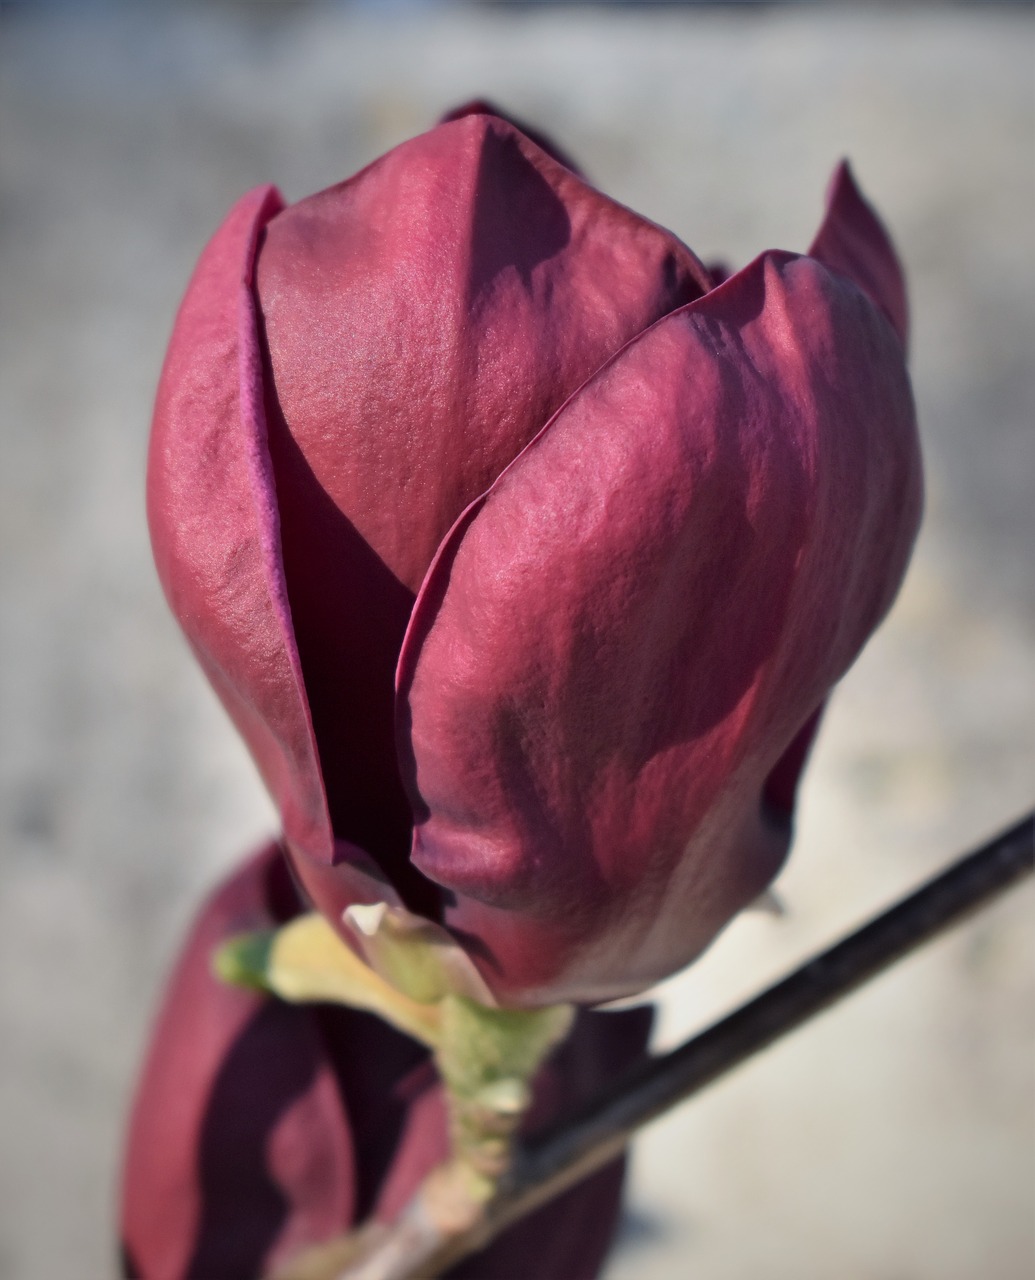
(214, 522)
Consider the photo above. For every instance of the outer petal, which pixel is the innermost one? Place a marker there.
(853, 242)
(239, 1149)
(423, 321)
(215, 531)
(618, 643)
(214, 522)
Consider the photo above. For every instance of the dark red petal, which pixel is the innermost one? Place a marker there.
(853, 242)
(423, 321)
(239, 1150)
(617, 644)
(214, 523)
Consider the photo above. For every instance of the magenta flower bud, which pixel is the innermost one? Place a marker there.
(261, 1128)
(521, 552)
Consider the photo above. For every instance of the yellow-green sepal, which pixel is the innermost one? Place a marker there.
(306, 961)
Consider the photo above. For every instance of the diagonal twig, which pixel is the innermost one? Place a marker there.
(600, 1131)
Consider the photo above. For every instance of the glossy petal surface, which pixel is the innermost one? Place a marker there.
(617, 644)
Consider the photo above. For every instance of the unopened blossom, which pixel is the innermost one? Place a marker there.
(522, 552)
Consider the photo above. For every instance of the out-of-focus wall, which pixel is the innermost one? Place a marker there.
(892, 1140)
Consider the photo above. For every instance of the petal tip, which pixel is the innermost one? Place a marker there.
(853, 241)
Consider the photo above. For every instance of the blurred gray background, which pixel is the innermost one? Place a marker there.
(892, 1140)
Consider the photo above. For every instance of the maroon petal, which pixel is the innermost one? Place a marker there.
(423, 321)
(618, 642)
(853, 242)
(239, 1150)
(214, 523)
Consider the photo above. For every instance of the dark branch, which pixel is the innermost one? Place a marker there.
(604, 1127)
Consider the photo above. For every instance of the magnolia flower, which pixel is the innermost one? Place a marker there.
(523, 551)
